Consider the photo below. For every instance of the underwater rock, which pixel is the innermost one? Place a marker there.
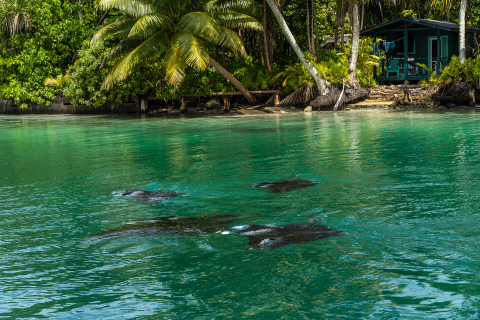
(151, 197)
(167, 226)
(283, 186)
(271, 237)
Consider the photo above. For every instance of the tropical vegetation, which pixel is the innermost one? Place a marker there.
(121, 50)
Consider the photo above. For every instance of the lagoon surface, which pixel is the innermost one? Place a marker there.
(404, 186)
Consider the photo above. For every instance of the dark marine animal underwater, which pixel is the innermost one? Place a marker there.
(170, 225)
(283, 186)
(272, 237)
(151, 197)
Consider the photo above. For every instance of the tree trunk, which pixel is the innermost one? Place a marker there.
(463, 7)
(223, 57)
(251, 99)
(363, 14)
(317, 44)
(103, 18)
(322, 89)
(355, 42)
(342, 21)
(311, 46)
(265, 40)
(380, 6)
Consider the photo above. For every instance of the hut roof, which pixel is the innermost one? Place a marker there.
(399, 24)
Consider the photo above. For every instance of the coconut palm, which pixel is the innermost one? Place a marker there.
(14, 16)
(355, 41)
(178, 33)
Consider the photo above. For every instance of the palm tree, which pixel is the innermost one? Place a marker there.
(14, 16)
(463, 9)
(177, 32)
(322, 89)
(355, 41)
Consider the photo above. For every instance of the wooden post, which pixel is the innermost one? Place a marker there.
(405, 52)
(438, 52)
(277, 99)
(183, 105)
(226, 104)
(375, 67)
(143, 104)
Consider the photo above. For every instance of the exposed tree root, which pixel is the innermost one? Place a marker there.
(300, 97)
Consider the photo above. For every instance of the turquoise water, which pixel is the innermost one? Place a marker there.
(404, 186)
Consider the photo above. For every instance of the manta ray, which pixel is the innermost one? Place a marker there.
(271, 237)
(283, 186)
(170, 225)
(151, 197)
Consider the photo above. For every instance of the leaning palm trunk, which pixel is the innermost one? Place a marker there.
(251, 99)
(355, 43)
(322, 89)
(463, 9)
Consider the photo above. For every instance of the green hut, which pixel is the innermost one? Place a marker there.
(408, 41)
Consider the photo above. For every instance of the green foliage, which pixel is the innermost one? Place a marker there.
(88, 75)
(456, 72)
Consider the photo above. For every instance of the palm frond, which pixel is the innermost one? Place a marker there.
(147, 50)
(14, 16)
(244, 6)
(121, 49)
(234, 20)
(135, 8)
(50, 82)
(149, 24)
(200, 24)
(193, 49)
(230, 39)
(118, 30)
(174, 65)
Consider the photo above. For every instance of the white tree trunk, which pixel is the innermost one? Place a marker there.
(322, 89)
(463, 9)
(355, 42)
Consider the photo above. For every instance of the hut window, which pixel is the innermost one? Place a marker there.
(400, 45)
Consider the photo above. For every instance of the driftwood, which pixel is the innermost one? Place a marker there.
(352, 93)
(300, 97)
(407, 97)
(457, 93)
(340, 97)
